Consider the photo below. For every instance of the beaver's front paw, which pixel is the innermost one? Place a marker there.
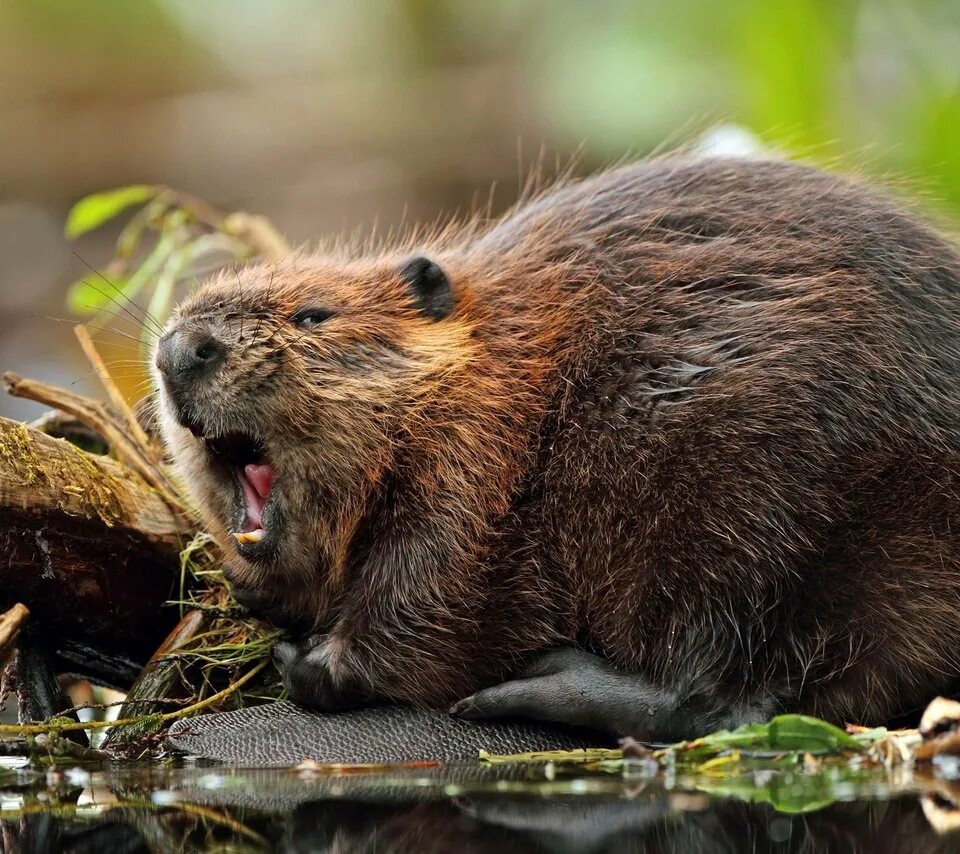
(315, 676)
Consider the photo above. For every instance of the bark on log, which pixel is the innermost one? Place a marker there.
(90, 548)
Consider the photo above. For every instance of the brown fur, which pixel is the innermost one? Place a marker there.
(699, 416)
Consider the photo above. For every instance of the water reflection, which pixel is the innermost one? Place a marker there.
(469, 809)
(721, 826)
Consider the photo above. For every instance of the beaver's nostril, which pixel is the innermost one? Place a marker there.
(208, 351)
(184, 355)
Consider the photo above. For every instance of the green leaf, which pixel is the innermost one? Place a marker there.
(795, 733)
(93, 211)
(91, 294)
(799, 732)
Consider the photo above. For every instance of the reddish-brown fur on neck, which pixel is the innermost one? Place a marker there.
(700, 416)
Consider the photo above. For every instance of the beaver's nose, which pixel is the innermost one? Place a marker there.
(186, 354)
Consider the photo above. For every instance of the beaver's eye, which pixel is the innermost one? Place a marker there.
(307, 317)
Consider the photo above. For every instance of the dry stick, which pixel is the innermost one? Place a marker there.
(10, 624)
(36, 729)
(98, 418)
(116, 398)
(258, 232)
(160, 674)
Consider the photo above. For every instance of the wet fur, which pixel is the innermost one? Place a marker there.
(698, 416)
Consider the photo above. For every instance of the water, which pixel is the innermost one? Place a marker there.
(190, 806)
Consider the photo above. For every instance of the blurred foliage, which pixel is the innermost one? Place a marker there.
(77, 45)
(874, 82)
(95, 210)
(173, 237)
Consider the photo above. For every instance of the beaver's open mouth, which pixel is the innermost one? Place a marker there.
(247, 459)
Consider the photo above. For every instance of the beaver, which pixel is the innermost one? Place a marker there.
(670, 448)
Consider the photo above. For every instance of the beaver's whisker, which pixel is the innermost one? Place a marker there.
(158, 327)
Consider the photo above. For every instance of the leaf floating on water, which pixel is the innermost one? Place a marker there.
(797, 734)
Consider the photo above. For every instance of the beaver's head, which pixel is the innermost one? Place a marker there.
(284, 392)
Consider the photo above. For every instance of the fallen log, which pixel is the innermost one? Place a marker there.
(91, 549)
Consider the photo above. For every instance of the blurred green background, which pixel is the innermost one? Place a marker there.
(333, 116)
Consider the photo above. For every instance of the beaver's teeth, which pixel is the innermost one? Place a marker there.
(249, 536)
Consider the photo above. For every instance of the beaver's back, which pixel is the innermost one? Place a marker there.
(750, 469)
(746, 265)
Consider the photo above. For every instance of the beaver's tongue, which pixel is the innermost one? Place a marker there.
(256, 480)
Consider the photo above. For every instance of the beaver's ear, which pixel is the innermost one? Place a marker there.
(429, 287)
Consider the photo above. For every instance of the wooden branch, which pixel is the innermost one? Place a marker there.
(10, 623)
(116, 397)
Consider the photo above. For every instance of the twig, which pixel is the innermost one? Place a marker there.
(34, 729)
(10, 624)
(116, 398)
(258, 232)
(102, 707)
(217, 817)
